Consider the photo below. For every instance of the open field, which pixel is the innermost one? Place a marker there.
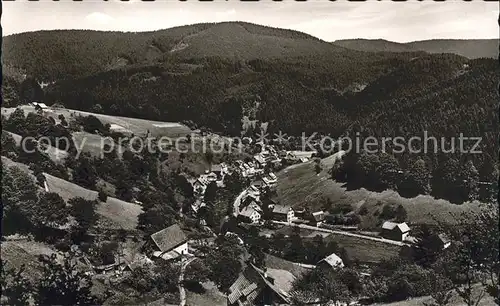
(273, 262)
(363, 250)
(123, 124)
(119, 214)
(24, 252)
(93, 144)
(455, 300)
(211, 296)
(300, 186)
(10, 163)
(114, 213)
(55, 154)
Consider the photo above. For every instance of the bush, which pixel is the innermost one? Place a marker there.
(102, 196)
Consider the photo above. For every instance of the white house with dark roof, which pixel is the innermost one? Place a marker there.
(170, 243)
(331, 261)
(395, 231)
(39, 106)
(250, 214)
(317, 218)
(283, 213)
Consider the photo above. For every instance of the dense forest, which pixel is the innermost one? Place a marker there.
(212, 74)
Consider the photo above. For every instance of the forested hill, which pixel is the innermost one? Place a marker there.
(52, 55)
(470, 48)
(215, 74)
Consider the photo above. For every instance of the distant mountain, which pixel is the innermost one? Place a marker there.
(470, 48)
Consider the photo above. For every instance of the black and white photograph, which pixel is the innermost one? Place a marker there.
(240, 153)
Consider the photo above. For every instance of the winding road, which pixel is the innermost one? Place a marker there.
(180, 284)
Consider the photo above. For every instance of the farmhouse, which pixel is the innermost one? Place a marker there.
(395, 231)
(255, 286)
(283, 213)
(439, 242)
(331, 261)
(270, 180)
(249, 214)
(317, 218)
(261, 161)
(39, 107)
(170, 243)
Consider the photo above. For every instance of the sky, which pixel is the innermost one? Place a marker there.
(395, 21)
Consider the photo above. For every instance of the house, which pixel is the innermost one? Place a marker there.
(255, 286)
(259, 184)
(133, 261)
(39, 107)
(270, 180)
(209, 176)
(273, 177)
(220, 170)
(253, 190)
(260, 160)
(439, 242)
(331, 261)
(249, 214)
(170, 243)
(200, 185)
(317, 218)
(283, 213)
(395, 231)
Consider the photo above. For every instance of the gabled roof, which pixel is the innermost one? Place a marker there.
(281, 209)
(248, 211)
(333, 260)
(251, 282)
(247, 284)
(42, 105)
(318, 216)
(260, 159)
(169, 238)
(403, 227)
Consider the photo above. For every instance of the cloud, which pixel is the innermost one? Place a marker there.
(99, 18)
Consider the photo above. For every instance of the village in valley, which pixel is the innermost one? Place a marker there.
(254, 215)
(230, 163)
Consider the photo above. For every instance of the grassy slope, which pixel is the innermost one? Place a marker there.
(18, 253)
(273, 262)
(54, 153)
(10, 163)
(211, 296)
(300, 186)
(358, 249)
(455, 300)
(114, 213)
(365, 251)
(136, 126)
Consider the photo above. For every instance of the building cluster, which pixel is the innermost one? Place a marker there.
(263, 286)
(216, 174)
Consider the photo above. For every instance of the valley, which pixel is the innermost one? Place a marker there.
(226, 204)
